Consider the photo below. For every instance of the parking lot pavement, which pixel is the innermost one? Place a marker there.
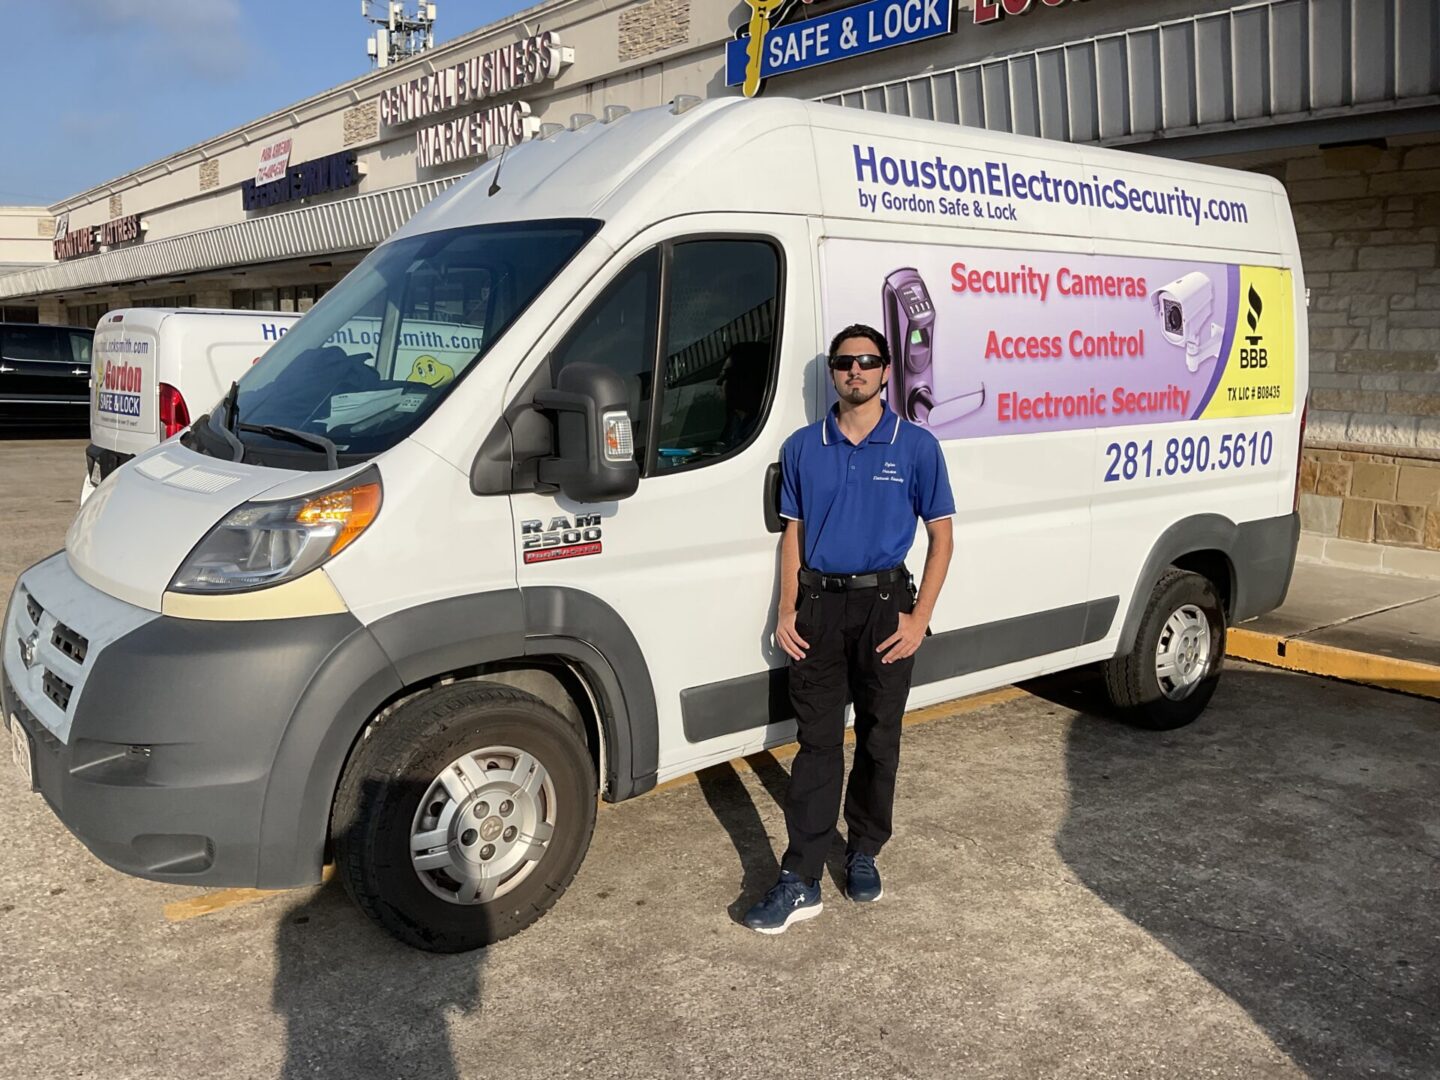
(40, 482)
(1255, 895)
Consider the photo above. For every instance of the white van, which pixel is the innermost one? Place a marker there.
(154, 367)
(415, 616)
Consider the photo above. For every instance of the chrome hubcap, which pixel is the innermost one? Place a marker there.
(1182, 656)
(483, 824)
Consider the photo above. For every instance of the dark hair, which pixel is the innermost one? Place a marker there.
(861, 330)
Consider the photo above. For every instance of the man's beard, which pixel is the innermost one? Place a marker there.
(857, 395)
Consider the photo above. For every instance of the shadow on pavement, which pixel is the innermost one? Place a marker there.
(358, 1003)
(733, 807)
(1295, 864)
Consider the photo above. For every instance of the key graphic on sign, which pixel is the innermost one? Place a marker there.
(760, 13)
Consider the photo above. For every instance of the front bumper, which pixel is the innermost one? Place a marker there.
(100, 462)
(162, 743)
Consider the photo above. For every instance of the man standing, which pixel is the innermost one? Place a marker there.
(853, 486)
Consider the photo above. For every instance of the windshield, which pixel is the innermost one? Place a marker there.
(368, 363)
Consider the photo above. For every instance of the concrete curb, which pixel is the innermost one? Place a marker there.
(1294, 654)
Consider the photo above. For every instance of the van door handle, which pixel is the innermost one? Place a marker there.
(773, 521)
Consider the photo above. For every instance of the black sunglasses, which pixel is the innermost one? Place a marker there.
(867, 362)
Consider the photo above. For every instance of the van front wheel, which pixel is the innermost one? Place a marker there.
(463, 815)
(1169, 677)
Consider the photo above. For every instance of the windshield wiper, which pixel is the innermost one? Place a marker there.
(230, 406)
(305, 438)
(236, 447)
(216, 421)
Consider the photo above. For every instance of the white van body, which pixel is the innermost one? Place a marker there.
(196, 352)
(1112, 350)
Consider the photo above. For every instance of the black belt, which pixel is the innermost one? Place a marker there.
(812, 579)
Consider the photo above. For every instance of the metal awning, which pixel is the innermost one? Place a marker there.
(1219, 81)
(356, 223)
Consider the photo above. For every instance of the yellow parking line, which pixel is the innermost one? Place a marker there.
(225, 899)
(1312, 658)
(208, 903)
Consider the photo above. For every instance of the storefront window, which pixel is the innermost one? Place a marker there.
(87, 315)
(296, 298)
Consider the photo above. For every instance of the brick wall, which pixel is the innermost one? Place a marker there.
(1369, 225)
(652, 27)
(1368, 219)
(362, 123)
(1371, 497)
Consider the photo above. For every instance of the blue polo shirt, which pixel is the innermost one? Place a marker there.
(859, 503)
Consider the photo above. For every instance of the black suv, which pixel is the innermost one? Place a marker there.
(44, 375)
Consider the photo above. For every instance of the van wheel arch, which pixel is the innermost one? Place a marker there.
(1201, 544)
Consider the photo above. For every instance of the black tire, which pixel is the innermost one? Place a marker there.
(1133, 683)
(395, 764)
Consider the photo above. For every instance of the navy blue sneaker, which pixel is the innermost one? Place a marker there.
(862, 880)
(789, 900)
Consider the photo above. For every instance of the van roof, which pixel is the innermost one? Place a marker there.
(790, 156)
(156, 314)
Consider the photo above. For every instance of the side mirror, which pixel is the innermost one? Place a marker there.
(595, 459)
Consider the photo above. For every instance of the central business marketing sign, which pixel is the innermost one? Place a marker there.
(768, 45)
(993, 342)
(471, 82)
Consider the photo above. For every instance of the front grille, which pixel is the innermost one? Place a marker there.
(30, 721)
(73, 645)
(57, 690)
(33, 609)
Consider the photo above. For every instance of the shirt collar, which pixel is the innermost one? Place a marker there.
(886, 431)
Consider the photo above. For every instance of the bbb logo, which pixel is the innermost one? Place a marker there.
(1256, 355)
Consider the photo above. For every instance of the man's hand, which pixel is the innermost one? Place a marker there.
(905, 640)
(785, 633)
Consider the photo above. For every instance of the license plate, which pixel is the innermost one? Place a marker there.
(20, 752)
(95, 474)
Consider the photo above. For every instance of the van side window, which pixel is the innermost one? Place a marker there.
(719, 356)
(618, 331)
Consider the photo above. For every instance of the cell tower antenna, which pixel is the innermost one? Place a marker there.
(398, 35)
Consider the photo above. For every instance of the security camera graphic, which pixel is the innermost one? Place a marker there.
(1185, 307)
(910, 333)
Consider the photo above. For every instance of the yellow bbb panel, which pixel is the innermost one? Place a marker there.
(1259, 378)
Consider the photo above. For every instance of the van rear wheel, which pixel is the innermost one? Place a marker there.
(1169, 677)
(463, 815)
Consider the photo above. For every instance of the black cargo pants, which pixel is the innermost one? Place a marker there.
(844, 629)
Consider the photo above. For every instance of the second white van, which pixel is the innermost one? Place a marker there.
(153, 368)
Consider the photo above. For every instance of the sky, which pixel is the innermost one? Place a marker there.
(96, 88)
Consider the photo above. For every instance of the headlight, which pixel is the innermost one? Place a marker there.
(265, 543)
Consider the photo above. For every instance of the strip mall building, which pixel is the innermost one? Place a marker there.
(1339, 99)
